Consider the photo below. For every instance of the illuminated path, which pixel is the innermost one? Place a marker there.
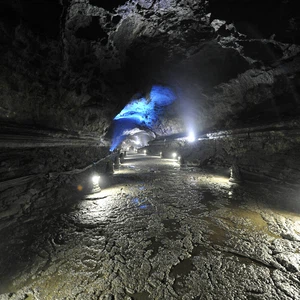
(158, 232)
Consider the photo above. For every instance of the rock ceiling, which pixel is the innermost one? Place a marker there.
(74, 64)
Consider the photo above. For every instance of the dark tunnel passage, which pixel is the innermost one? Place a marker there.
(149, 149)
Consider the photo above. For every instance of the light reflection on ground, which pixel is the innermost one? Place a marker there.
(155, 231)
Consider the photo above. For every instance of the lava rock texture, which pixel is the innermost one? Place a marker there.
(154, 232)
(67, 67)
(75, 64)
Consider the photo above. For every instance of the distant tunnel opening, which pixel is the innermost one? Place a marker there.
(141, 114)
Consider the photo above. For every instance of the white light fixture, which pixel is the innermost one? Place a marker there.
(178, 158)
(95, 179)
(191, 137)
(174, 155)
(145, 151)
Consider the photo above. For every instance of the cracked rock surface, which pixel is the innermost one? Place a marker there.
(75, 64)
(154, 231)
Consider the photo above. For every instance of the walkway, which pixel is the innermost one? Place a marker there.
(155, 231)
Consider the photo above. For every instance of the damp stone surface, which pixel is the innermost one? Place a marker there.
(153, 230)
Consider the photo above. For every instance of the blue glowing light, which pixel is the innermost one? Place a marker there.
(139, 203)
(141, 112)
(136, 201)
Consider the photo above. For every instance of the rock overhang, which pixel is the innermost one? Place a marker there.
(109, 51)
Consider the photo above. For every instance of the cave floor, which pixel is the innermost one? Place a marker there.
(154, 231)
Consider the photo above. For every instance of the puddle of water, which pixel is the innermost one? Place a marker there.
(171, 224)
(258, 224)
(154, 246)
(180, 272)
(171, 229)
(218, 235)
(173, 235)
(197, 211)
(204, 201)
(183, 268)
(215, 233)
(140, 296)
(208, 200)
(199, 249)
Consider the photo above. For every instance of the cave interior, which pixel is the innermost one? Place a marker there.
(187, 110)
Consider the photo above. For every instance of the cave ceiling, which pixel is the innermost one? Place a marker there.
(74, 64)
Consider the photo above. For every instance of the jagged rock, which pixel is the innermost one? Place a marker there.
(111, 50)
(68, 67)
(291, 261)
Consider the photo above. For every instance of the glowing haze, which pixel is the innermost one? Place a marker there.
(141, 113)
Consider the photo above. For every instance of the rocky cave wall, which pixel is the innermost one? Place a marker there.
(261, 154)
(77, 69)
(69, 69)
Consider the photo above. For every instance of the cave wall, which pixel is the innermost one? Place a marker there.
(33, 180)
(216, 66)
(33, 91)
(261, 154)
(74, 66)
(43, 161)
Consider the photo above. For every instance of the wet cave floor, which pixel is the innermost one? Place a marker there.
(154, 231)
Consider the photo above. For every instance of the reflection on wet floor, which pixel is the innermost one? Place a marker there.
(155, 231)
